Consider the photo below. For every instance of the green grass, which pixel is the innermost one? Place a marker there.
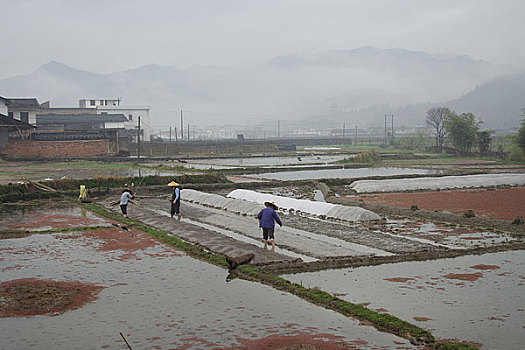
(382, 321)
(70, 188)
(453, 346)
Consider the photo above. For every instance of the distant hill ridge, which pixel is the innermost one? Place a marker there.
(293, 87)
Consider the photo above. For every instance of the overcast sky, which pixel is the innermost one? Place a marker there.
(104, 36)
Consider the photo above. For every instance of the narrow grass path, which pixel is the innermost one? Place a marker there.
(381, 321)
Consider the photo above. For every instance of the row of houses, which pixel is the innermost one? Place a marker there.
(26, 122)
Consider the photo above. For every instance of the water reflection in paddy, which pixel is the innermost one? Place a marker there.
(477, 298)
(159, 298)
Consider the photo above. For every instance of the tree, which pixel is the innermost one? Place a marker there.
(436, 118)
(463, 130)
(521, 134)
(484, 141)
(414, 140)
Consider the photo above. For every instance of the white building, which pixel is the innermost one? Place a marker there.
(95, 103)
(132, 113)
(3, 105)
(22, 109)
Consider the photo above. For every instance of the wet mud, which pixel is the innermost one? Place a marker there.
(447, 218)
(160, 298)
(62, 216)
(501, 203)
(30, 296)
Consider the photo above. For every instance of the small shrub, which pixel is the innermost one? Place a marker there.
(364, 157)
(469, 214)
(518, 221)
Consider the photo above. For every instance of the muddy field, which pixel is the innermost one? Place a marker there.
(504, 204)
(105, 278)
(158, 297)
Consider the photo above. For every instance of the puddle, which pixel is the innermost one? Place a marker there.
(476, 298)
(42, 220)
(343, 173)
(160, 299)
(449, 236)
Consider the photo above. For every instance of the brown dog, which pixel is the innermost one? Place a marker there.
(239, 260)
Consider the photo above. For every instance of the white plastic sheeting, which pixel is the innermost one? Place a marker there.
(435, 183)
(334, 211)
(220, 202)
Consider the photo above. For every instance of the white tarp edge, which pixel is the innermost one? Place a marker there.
(435, 183)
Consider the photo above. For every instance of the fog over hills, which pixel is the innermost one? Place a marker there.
(358, 86)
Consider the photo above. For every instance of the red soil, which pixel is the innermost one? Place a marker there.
(30, 297)
(421, 319)
(485, 267)
(504, 204)
(51, 219)
(464, 276)
(398, 279)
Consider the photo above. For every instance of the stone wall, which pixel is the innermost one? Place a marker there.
(30, 149)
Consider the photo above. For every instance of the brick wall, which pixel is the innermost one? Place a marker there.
(28, 149)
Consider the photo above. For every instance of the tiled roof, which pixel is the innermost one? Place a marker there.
(23, 102)
(43, 119)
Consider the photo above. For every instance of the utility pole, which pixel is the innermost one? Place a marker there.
(392, 133)
(181, 127)
(391, 127)
(344, 125)
(386, 138)
(138, 142)
(176, 135)
(170, 135)
(188, 131)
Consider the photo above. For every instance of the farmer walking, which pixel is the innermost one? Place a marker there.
(175, 200)
(124, 198)
(267, 218)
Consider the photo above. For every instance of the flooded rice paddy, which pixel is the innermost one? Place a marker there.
(477, 298)
(343, 173)
(451, 236)
(270, 161)
(158, 297)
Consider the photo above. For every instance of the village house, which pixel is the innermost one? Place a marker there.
(11, 128)
(132, 113)
(23, 109)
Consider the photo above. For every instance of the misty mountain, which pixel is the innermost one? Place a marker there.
(499, 104)
(290, 88)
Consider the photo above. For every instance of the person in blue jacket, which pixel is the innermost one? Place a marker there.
(267, 218)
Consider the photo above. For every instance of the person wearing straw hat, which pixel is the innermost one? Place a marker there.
(175, 200)
(267, 218)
